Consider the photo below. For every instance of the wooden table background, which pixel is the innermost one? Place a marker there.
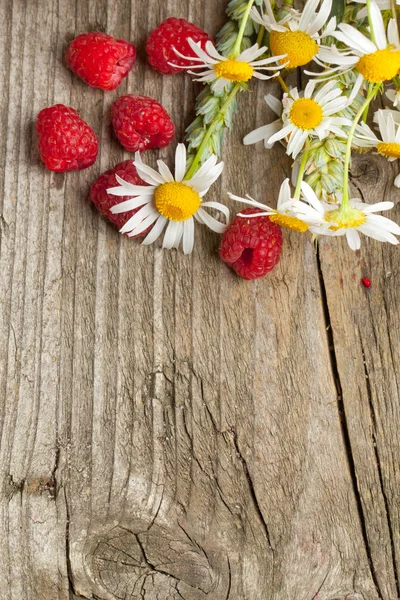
(169, 431)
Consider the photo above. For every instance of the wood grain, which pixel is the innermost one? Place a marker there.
(169, 431)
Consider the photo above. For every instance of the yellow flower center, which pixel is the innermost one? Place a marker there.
(299, 47)
(233, 70)
(306, 113)
(390, 150)
(380, 65)
(347, 218)
(289, 222)
(176, 201)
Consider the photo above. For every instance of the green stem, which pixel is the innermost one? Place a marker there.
(370, 95)
(218, 117)
(302, 169)
(245, 18)
(371, 25)
(260, 36)
(283, 84)
(365, 113)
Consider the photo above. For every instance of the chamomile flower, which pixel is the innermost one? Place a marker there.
(297, 36)
(221, 70)
(311, 114)
(355, 218)
(375, 61)
(389, 144)
(170, 202)
(286, 212)
(266, 131)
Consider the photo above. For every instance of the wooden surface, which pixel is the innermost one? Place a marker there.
(169, 431)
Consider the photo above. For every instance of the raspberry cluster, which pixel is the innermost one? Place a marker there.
(67, 142)
(251, 246)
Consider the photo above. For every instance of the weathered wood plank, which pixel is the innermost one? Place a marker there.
(168, 430)
(365, 326)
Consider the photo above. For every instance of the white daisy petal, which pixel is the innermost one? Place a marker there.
(284, 193)
(381, 235)
(307, 14)
(164, 171)
(213, 52)
(353, 239)
(156, 231)
(311, 197)
(251, 202)
(281, 134)
(212, 223)
(355, 39)
(179, 234)
(123, 191)
(392, 34)
(371, 208)
(264, 77)
(137, 218)
(129, 205)
(218, 206)
(134, 189)
(251, 53)
(321, 18)
(379, 28)
(170, 234)
(147, 222)
(310, 87)
(180, 162)
(148, 174)
(274, 104)
(201, 54)
(384, 223)
(188, 236)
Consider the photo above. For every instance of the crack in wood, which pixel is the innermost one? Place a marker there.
(344, 426)
(252, 491)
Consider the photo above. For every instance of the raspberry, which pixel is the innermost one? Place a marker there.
(104, 201)
(173, 33)
(252, 247)
(141, 123)
(100, 60)
(66, 142)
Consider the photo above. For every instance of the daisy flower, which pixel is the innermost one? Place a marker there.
(296, 35)
(221, 70)
(266, 131)
(355, 218)
(170, 202)
(376, 61)
(311, 115)
(286, 212)
(389, 144)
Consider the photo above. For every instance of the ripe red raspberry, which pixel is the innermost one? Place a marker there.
(173, 33)
(66, 142)
(104, 201)
(141, 123)
(252, 246)
(100, 60)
